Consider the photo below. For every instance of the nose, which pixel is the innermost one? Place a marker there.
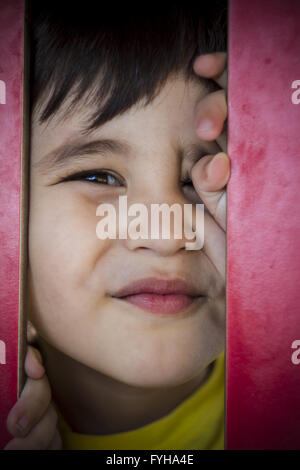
(162, 226)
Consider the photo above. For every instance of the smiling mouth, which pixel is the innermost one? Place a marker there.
(154, 295)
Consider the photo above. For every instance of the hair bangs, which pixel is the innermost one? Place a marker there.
(115, 56)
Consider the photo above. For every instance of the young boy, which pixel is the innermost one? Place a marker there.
(131, 331)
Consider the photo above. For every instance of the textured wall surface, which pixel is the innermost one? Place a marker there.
(263, 278)
(11, 89)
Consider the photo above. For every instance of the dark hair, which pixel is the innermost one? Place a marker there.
(119, 53)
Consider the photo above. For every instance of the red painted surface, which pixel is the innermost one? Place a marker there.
(263, 283)
(11, 57)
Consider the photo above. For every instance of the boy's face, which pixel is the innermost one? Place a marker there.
(73, 274)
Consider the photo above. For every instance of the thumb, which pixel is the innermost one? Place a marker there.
(210, 176)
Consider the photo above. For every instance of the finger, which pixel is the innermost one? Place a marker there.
(210, 115)
(212, 66)
(210, 176)
(30, 407)
(40, 436)
(56, 443)
(34, 363)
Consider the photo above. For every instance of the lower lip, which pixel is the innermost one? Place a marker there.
(158, 303)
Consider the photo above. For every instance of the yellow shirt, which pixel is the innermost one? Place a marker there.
(197, 423)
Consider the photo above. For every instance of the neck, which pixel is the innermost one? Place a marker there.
(93, 403)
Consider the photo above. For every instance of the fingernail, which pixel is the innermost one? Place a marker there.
(217, 163)
(208, 166)
(205, 126)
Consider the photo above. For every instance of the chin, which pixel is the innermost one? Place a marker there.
(167, 371)
(156, 376)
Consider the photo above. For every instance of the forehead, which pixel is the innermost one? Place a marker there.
(168, 121)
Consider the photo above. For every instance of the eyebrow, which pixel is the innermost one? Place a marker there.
(75, 150)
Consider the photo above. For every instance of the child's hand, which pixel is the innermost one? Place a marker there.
(211, 114)
(33, 411)
(211, 173)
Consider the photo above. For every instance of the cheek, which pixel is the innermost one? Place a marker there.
(63, 250)
(62, 233)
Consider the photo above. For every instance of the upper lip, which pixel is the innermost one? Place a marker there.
(159, 286)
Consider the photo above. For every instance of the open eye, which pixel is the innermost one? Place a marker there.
(97, 177)
(103, 178)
